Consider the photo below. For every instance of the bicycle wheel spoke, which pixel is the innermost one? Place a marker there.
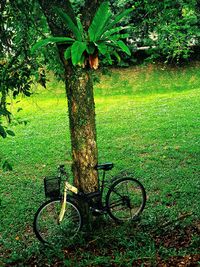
(126, 199)
(130, 210)
(47, 226)
(116, 204)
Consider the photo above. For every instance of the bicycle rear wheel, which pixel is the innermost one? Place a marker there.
(125, 199)
(49, 230)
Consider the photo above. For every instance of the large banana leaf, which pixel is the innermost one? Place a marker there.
(99, 21)
(116, 37)
(118, 18)
(102, 47)
(117, 56)
(67, 53)
(70, 24)
(124, 47)
(80, 27)
(77, 50)
(108, 33)
(51, 40)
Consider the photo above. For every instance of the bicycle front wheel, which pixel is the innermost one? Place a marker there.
(125, 199)
(49, 230)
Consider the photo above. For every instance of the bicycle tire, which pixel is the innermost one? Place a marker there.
(46, 226)
(125, 199)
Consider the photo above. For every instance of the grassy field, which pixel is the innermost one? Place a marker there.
(148, 121)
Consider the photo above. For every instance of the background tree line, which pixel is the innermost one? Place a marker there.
(169, 28)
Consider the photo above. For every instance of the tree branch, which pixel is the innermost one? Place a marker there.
(56, 26)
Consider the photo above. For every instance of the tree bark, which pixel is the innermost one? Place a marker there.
(79, 90)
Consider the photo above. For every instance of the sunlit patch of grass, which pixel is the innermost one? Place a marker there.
(150, 79)
(147, 121)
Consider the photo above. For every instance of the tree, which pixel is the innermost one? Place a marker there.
(79, 90)
(78, 80)
(171, 28)
(79, 86)
(17, 31)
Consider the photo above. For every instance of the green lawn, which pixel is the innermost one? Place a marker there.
(148, 121)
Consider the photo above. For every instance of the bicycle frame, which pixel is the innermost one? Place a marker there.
(67, 187)
(73, 189)
(101, 188)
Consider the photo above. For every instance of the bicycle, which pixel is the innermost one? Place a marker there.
(61, 216)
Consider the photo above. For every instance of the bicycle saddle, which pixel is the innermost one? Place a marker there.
(104, 166)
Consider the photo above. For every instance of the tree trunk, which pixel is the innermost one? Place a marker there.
(79, 89)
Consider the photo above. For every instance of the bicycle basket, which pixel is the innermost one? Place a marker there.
(52, 186)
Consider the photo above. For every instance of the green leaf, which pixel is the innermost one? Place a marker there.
(27, 93)
(109, 59)
(99, 21)
(70, 24)
(117, 56)
(67, 53)
(118, 18)
(19, 109)
(116, 37)
(124, 47)
(102, 47)
(90, 48)
(108, 33)
(51, 40)
(4, 112)
(9, 132)
(2, 132)
(82, 59)
(80, 27)
(77, 50)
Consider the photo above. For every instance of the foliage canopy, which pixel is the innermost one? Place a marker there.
(102, 37)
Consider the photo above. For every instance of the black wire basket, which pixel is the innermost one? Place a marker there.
(52, 186)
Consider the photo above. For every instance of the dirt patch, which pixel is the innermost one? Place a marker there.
(177, 261)
(190, 260)
(177, 237)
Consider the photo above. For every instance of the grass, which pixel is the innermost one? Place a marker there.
(148, 122)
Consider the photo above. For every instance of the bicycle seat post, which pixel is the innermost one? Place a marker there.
(103, 181)
(104, 167)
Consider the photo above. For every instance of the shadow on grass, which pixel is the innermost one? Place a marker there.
(131, 244)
